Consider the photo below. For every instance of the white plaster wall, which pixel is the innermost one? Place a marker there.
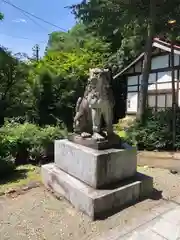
(132, 80)
(152, 87)
(176, 60)
(164, 80)
(151, 100)
(164, 77)
(157, 62)
(160, 100)
(160, 62)
(163, 61)
(132, 98)
(169, 100)
(165, 86)
(132, 102)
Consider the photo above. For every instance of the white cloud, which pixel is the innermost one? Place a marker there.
(19, 20)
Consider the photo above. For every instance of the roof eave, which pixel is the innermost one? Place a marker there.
(156, 43)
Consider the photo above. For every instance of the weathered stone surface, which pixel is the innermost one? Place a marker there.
(114, 141)
(95, 167)
(91, 201)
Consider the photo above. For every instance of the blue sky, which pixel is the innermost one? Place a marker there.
(16, 25)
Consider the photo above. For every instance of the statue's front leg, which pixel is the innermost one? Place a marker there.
(108, 117)
(96, 121)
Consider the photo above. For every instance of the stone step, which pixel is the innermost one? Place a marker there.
(95, 203)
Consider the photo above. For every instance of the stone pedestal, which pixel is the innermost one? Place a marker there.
(95, 181)
(97, 168)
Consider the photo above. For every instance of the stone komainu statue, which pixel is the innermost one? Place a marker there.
(96, 106)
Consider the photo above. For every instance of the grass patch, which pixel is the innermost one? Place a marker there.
(20, 177)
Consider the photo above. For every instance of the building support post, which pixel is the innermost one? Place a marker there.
(173, 97)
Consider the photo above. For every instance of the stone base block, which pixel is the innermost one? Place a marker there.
(95, 167)
(91, 201)
(113, 142)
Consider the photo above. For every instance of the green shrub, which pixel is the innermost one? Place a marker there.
(156, 132)
(27, 141)
(124, 123)
(42, 145)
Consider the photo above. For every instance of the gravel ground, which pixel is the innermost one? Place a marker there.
(39, 215)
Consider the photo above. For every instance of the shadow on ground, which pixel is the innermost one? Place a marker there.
(156, 195)
(16, 175)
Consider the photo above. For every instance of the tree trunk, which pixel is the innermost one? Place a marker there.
(147, 63)
(174, 95)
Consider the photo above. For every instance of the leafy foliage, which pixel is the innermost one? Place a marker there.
(1, 16)
(58, 80)
(13, 85)
(43, 99)
(24, 142)
(43, 92)
(156, 132)
(76, 40)
(123, 24)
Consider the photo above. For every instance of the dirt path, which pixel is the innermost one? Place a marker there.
(39, 215)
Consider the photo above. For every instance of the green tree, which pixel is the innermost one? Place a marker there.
(76, 40)
(126, 21)
(147, 62)
(13, 76)
(57, 80)
(43, 99)
(1, 16)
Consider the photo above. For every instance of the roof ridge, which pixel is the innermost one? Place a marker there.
(161, 41)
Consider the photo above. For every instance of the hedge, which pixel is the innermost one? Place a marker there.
(156, 132)
(23, 143)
